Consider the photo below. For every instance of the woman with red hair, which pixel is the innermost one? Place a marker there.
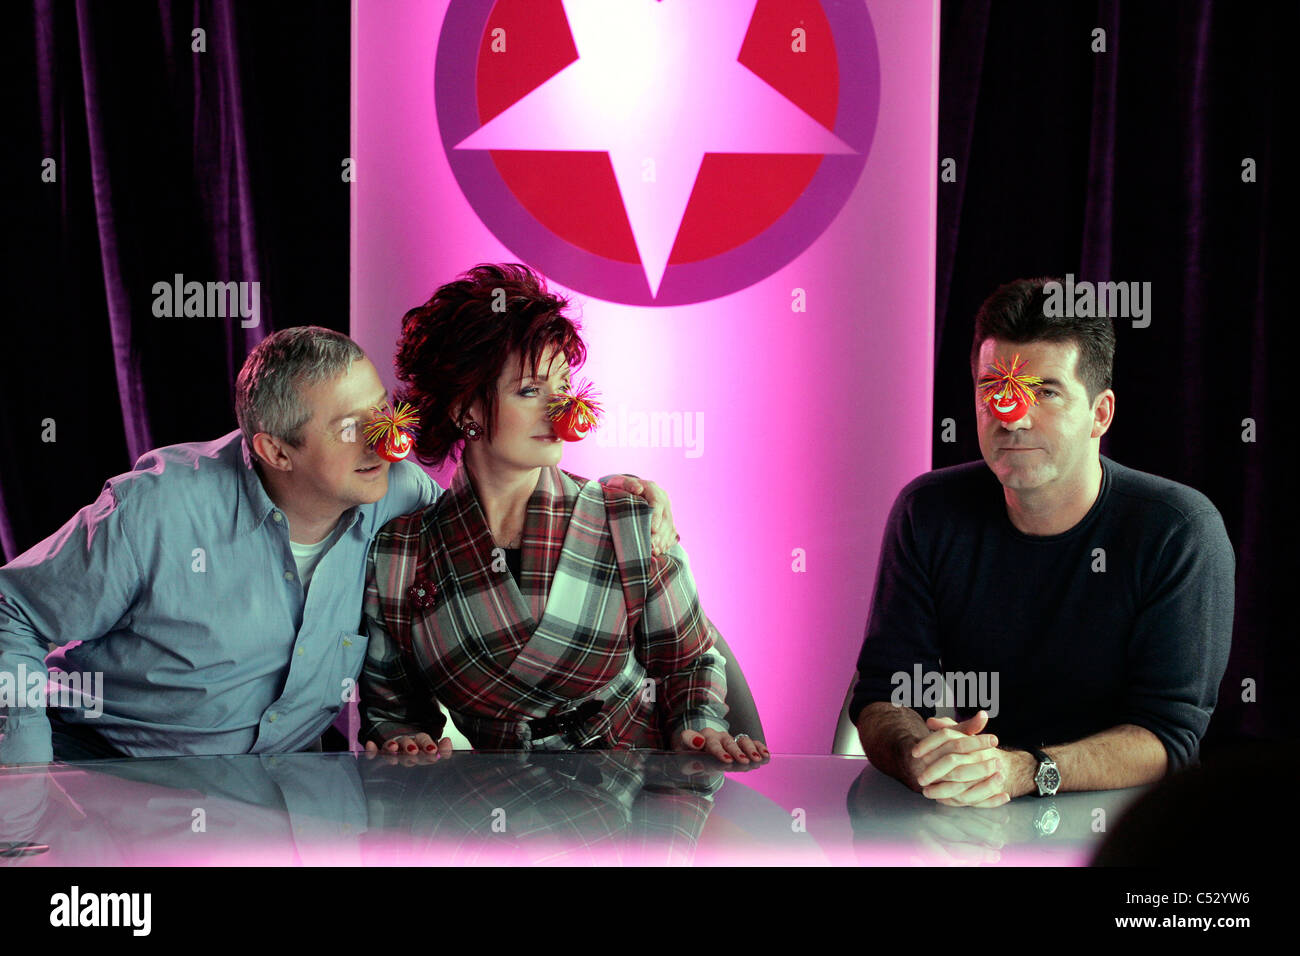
(526, 600)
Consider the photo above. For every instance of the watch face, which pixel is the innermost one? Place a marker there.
(1051, 779)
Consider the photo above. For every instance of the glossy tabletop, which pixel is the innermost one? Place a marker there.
(482, 808)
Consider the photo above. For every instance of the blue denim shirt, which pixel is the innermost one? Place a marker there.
(180, 586)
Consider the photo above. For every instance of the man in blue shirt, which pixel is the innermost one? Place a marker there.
(209, 601)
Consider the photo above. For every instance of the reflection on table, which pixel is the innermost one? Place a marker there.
(480, 808)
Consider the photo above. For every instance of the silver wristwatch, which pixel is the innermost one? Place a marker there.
(1047, 777)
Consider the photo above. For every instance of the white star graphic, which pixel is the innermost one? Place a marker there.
(656, 86)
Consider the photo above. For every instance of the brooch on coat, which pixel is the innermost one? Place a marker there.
(422, 594)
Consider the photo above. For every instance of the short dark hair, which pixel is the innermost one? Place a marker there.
(1014, 313)
(453, 348)
(267, 390)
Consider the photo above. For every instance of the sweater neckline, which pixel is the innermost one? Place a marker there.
(1107, 471)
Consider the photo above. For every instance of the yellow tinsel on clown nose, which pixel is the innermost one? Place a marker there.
(1002, 381)
(579, 405)
(390, 423)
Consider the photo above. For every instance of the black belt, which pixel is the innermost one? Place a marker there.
(567, 722)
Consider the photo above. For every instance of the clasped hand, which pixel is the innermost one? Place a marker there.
(958, 766)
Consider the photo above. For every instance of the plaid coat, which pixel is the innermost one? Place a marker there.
(594, 617)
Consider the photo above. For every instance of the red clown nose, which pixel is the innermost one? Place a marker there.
(1007, 408)
(392, 431)
(394, 448)
(575, 412)
(1009, 394)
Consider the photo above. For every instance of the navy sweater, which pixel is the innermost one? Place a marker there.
(1124, 619)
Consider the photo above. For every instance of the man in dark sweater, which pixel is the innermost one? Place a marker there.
(1078, 611)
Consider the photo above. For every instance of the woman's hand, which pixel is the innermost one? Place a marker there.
(743, 749)
(407, 745)
(663, 533)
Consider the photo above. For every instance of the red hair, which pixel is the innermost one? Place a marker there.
(454, 347)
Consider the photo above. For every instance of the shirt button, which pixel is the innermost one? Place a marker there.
(277, 517)
(288, 575)
(272, 717)
(300, 652)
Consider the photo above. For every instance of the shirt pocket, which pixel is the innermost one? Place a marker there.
(351, 654)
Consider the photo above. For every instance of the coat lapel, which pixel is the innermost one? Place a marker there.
(545, 528)
(583, 611)
(488, 601)
(551, 618)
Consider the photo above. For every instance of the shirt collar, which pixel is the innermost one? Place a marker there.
(255, 505)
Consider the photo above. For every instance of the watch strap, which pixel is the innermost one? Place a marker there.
(1043, 758)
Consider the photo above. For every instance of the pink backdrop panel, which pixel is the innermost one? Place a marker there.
(740, 198)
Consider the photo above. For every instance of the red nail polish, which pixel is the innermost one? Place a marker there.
(430, 747)
(697, 741)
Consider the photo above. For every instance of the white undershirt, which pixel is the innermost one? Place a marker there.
(307, 556)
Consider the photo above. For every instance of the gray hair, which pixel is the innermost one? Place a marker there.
(266, 391)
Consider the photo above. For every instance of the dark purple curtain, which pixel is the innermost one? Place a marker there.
(1128, 166)
(220, 164)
